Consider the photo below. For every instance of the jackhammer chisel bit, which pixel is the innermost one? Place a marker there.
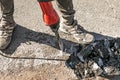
(55, 28)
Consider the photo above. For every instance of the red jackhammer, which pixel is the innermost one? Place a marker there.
(51, 18)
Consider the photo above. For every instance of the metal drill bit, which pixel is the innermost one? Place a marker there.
(55, 28)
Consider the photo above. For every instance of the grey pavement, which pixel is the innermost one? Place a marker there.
(33, 39)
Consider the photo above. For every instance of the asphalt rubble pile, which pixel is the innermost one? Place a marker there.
(101, 57)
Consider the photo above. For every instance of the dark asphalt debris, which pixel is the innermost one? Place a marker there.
(102, 57)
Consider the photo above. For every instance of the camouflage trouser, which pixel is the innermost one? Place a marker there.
(65, 6)
(7, 9)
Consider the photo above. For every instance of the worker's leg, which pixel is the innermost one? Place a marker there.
(69, 24)
(7, 23)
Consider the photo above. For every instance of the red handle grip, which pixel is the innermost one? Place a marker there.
(50, 16)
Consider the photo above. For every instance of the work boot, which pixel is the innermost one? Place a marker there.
(6, 29)
(77, 32)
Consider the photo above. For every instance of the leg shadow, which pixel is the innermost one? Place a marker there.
(24, 35)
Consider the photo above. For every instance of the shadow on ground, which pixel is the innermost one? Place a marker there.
(113, 77)
(24, 35)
